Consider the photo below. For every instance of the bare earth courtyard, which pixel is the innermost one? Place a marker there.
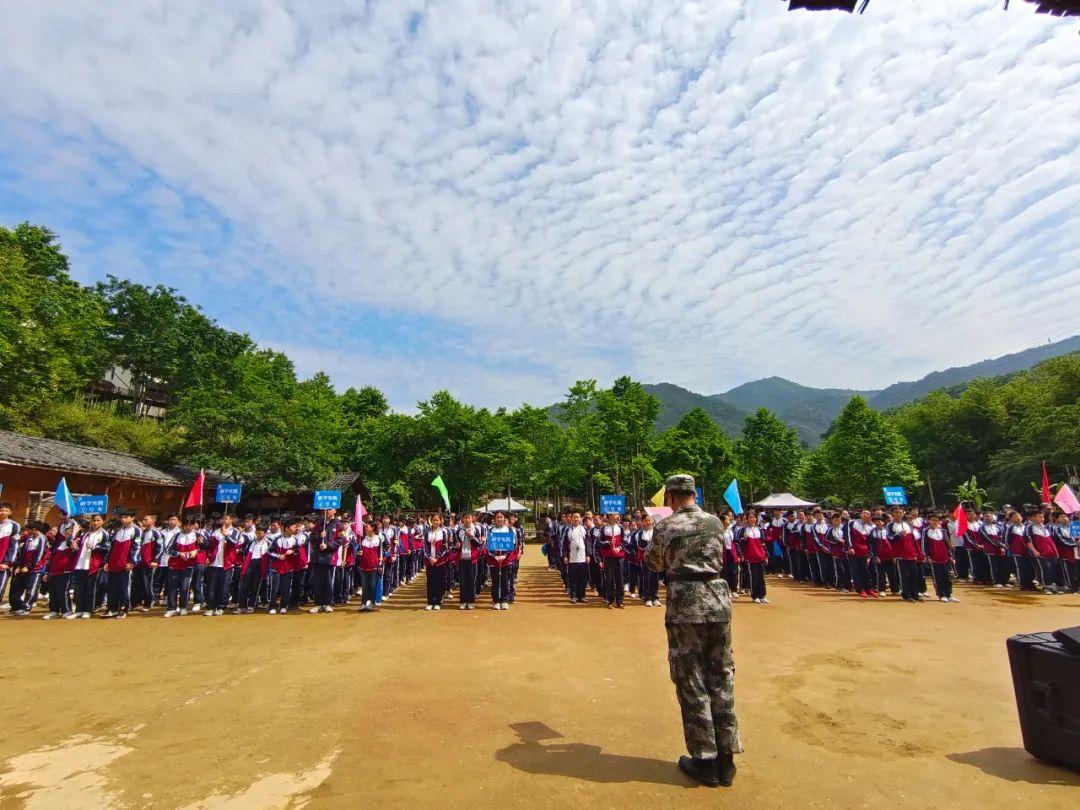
(842, 703)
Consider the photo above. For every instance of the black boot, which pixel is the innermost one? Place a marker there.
(700, 770)
(725, 767)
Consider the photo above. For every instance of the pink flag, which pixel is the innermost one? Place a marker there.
(658, 513)
(358, 517)
(1066, 499)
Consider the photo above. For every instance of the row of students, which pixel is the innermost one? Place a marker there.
(189, 565)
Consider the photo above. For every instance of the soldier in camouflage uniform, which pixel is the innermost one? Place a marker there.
(688, 545)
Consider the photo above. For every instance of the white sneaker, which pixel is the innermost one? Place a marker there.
(999, 586)
(169, 614)
(121, 615)
(505, 605)
(183, 611)
(328, 609)
(463, 606)
(429, 607)
(953, 599)
(471, 606)
(943, 599)
(315, 610)
(763, 601)
(757, 601)
(272, 612)
(196, 608)
(438, 607)
(50, 615)
(74, 615)
(84, 615)
(496, 606)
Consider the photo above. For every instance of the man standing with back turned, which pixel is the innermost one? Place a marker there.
(689, 546)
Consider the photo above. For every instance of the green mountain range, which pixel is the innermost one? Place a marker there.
(811, 410)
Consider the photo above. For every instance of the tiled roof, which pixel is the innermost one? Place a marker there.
(31, 451)
(340, 481)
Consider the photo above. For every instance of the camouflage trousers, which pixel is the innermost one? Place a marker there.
(703, 670)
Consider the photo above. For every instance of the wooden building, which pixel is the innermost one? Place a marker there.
(30, 469)
(299, 502)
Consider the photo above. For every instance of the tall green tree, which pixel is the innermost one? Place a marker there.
(769, 453)
(864, 452)
(50, 332)
(696, 444)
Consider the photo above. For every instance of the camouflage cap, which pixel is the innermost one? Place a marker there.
(680, 483)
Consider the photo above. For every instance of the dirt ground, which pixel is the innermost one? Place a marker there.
(841, 703)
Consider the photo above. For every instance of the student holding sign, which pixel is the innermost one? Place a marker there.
(502, 553)
(610, 546)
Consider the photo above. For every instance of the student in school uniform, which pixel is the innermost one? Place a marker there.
(371, 561)
(9, 544)
(792, 539)
(221, 558)
(1042, 550)
(1068, 549)
(160, 579)
(906, 549)
(88, 557)
(467, 551)
(327, 536)
(182, 552)
(282, 551)
(994, 546)
(838, 548)
(391, 549)
(199, 589)
(650, 579)
(610, 547)
(437, 557)
(881, 550)
(30, 561)
(1016, 540)
(756, 556)
(729, 567)
(574, 558)
(820, 544)
(142, 584)
(251, 571)
(859, 555)
(938, 545)
(62, 550)
(123, 554)
(500, 562)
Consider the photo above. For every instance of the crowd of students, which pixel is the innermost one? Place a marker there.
(189, 564)
(192, 564)
(871, 553)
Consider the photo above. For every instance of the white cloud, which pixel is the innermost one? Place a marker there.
(576, 188)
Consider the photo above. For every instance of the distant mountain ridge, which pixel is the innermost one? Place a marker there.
(811, 410)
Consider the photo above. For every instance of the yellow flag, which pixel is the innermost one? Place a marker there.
(658, 498)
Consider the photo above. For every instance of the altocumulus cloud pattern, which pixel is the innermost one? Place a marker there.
(501, 197)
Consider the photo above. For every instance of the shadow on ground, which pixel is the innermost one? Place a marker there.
(582, 761)
(1016, 765)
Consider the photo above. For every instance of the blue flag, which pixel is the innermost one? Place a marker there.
(731, 495)
(64, 502)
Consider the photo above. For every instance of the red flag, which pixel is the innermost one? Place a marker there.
(194, 497)
(1046, 499)
(960, 516)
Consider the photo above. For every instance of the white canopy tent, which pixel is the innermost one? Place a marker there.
(504, 505)
(782, 500)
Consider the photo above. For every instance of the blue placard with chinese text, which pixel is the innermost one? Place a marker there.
(228, 493)
(91, 505)
(895, 496)
(328, 499)
(612, 504)
(501, 540)
(1074, 529)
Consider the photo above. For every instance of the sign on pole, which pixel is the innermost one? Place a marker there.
(328, 499)
(91, 505)
(501, 540)
(228, 493)
(612, 504)
(895, 496)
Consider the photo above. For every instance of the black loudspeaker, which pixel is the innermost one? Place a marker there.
(1046, 678)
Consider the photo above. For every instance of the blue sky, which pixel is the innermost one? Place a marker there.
(502, 197)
